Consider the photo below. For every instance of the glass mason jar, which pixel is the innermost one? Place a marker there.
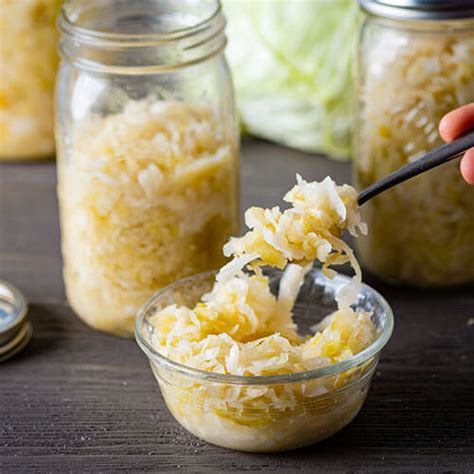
(28, 61)
(415, 63)
(147, 144)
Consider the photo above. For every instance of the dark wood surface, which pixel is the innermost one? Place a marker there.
(77, 400)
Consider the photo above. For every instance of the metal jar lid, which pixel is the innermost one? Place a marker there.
(15, 330)
(420, 9)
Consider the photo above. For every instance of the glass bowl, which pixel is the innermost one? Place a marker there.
(268, 413)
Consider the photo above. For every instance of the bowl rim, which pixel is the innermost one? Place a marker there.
(360, 358)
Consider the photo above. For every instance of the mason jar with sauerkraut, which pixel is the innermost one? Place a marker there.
(147, 151)
(28, 62)
(415, 63)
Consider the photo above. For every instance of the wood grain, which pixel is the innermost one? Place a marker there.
(77, 400)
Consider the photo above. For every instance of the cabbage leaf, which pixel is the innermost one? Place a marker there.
(291, 63)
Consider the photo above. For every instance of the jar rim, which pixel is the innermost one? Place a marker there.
(165, 34)
(360, 358)
(67, 25)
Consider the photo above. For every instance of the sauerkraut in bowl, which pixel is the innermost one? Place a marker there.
(273, 412)
(269, 354)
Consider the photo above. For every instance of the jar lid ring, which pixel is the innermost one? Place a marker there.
(420, 9)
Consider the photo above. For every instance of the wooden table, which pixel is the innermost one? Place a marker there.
(78, 400)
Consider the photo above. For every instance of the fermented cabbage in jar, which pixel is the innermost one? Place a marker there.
(422, 231)
(147, 195)
(28, 63)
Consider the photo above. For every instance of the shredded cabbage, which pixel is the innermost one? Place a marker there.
(240, 327)
(291, 64)
(240, 322)
(421, 232)
(135, 189)
(28, 62)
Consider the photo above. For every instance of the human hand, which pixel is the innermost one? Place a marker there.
(454, 124)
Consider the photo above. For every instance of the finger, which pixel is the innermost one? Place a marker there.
(456, 122)
(467, 166)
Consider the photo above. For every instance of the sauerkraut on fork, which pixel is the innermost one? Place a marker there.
(240, 327)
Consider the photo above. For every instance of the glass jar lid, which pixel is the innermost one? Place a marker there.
(420, 9)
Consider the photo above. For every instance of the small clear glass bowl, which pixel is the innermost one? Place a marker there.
(268, 413)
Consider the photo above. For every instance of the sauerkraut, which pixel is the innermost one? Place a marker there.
(28, 61)
(265, 418)
(422, 231)
(241, 328)
(147, 196)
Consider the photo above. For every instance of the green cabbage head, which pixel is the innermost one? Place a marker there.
(291, 64)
